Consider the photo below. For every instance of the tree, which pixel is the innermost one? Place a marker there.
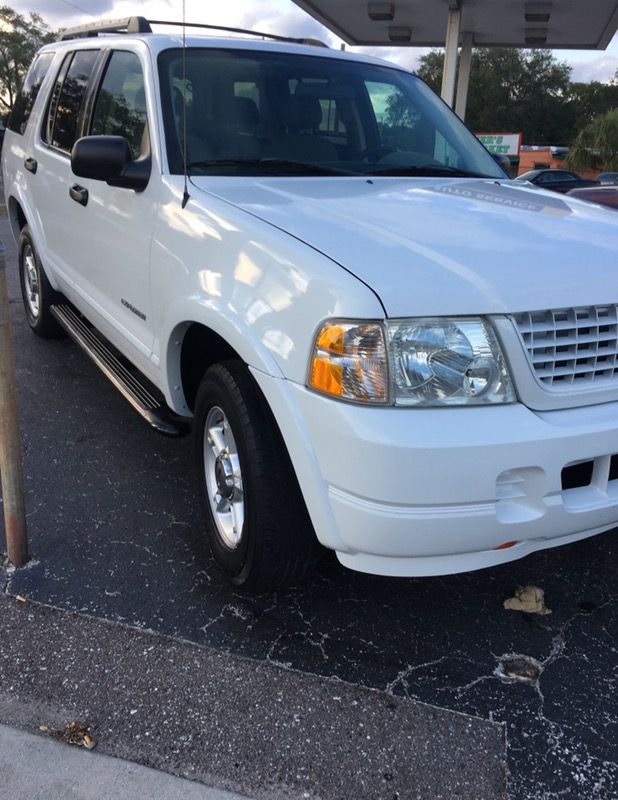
(597, 144)
(590, 100)
(513, 90)
(20, 38)
(431, 67)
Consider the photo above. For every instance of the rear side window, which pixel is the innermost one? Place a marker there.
(67, 99)
(120, 108)
(29, 91)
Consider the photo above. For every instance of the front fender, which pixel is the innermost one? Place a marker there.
(262, 290)
(185, 312)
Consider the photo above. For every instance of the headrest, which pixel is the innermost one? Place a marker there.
(245, 112)
(305, 113)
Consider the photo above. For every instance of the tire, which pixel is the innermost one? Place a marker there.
(36, 290)
(265, 540)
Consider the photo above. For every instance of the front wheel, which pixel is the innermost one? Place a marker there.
(256, 520)
(37, 292)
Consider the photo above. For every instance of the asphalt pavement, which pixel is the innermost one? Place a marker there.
(232, 722)
(116, 535)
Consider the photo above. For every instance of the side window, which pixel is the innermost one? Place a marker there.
(444, 152)
(397, 119)
(120, 108)
(67, 99)
(29, 91)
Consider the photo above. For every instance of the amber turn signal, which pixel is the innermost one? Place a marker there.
(349, 362)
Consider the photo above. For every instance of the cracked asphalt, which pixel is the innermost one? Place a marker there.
(217, 718)
(115, 534)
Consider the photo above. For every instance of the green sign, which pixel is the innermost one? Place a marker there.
(507, 144)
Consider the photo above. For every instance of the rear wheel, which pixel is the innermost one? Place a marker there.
(256, 520)
(37, 292)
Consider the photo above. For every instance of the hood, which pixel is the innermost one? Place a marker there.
(441, 246)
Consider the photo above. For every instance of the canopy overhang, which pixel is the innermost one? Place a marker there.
(553, 24)
(561, 24)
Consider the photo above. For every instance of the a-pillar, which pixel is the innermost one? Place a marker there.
(450, 53)
(463, 79)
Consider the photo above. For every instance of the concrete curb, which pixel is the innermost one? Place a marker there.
(34, 768)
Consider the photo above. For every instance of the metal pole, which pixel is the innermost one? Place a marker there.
(463, 80)
(450, 55)
(10, 442)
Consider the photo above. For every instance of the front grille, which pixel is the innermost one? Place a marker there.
(571, 345)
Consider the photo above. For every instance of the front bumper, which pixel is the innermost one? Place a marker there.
(435, 491)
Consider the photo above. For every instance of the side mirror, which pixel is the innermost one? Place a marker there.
(108, 158)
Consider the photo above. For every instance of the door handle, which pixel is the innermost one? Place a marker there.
(31, 165)
(79, 194)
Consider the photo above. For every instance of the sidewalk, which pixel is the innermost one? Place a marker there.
(38, 768)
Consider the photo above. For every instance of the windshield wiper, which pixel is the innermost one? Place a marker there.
(271, 165)
(429, 171)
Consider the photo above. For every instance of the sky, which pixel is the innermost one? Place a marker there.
(275, 16)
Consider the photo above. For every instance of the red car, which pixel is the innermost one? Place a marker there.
(604, 195)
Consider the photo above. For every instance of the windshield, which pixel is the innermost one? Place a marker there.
(273, 113)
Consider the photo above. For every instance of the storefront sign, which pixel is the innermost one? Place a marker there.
(507, 144)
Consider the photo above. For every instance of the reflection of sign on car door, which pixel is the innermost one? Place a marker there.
(508, 144)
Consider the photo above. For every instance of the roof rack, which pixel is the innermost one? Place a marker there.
(259, 34)
(142, 25)
(125, 25)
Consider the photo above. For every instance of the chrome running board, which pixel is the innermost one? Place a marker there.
(135, 388)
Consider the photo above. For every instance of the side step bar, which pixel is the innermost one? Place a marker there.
(144, 398)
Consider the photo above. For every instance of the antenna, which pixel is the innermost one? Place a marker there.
(185, 194)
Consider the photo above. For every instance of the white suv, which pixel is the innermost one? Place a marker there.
(380, 343)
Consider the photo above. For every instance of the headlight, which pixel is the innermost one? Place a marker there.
(446, 362)
(420, 362)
